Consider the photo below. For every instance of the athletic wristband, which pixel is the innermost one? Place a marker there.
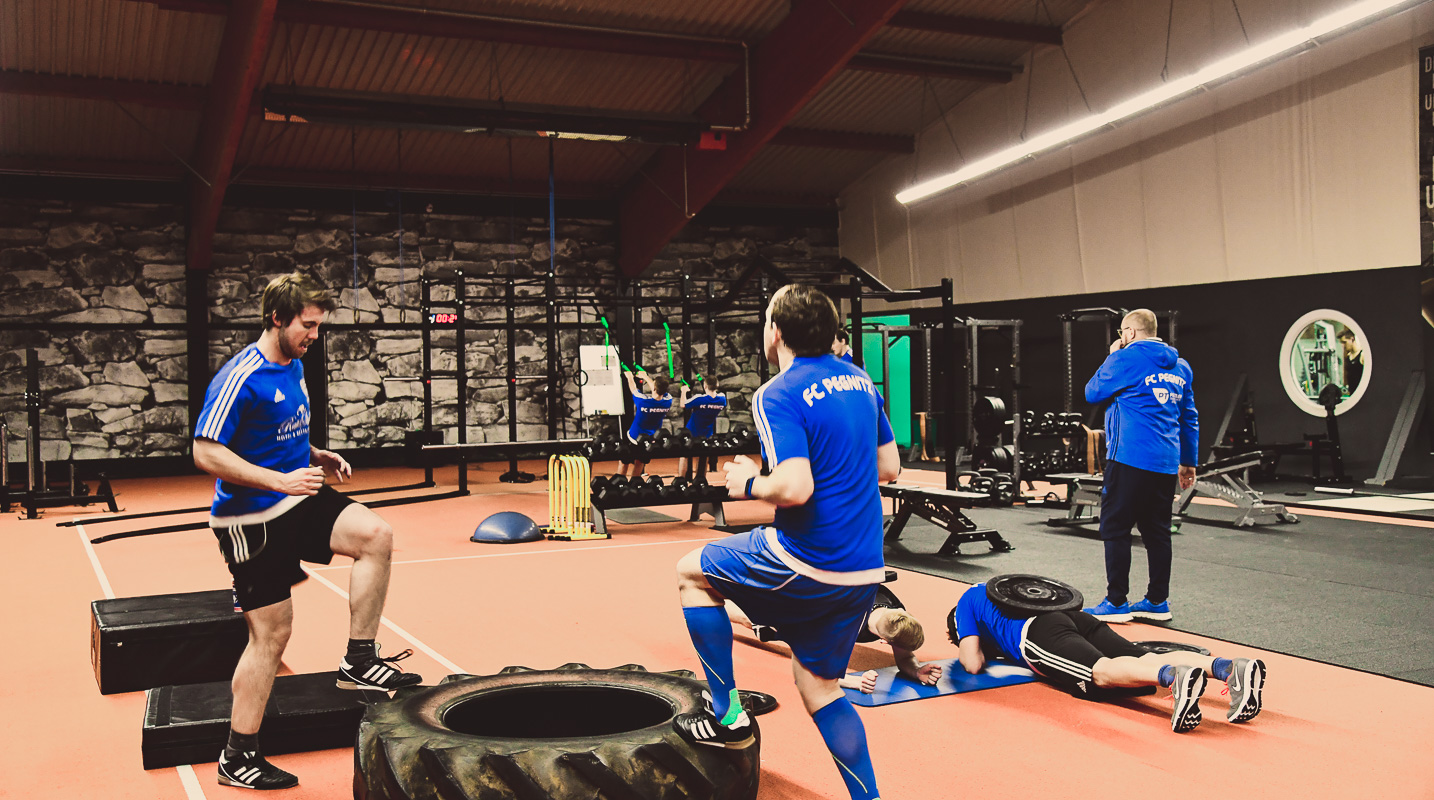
(749, 485)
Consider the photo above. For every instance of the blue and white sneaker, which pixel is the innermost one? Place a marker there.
(1144, 609)
(1109, 612)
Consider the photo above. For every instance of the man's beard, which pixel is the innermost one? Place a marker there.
(289, 349)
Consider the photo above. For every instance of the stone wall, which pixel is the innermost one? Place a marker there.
(108, 393)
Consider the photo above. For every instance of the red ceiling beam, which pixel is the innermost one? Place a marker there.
(844, 140)
(226, 111)
(142, 93)
(805, 51)
(191, 98)
(932, 68)
(418, 21)
(369, 181)
(974, 26)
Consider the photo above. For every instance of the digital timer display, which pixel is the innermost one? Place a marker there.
(442, 318)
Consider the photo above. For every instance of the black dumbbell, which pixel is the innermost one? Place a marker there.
(651, 492)
(602, 491)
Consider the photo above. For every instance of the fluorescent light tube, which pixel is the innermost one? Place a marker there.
(1282, 45)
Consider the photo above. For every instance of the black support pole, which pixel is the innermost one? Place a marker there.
(513, 475)
(196, 318)
(948, 344)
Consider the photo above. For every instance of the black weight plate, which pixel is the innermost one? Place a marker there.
(1170, 647)
(1028, 595)
(887, 598)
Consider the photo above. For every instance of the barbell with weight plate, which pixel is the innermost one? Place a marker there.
(1021, 596)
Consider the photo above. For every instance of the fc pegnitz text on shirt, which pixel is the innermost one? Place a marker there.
(837, 383)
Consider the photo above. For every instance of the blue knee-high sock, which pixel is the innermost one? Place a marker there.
(845, 736)
(1221, 669)
(711, 632)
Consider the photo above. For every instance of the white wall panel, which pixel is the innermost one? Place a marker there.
(1305, 166)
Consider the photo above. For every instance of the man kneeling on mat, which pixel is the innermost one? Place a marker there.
(1081, 654)
(888, 621)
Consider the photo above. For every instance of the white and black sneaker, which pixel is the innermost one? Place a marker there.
(376, 672)
(1245, 684)
(703, 727)
(249, 770)
(1189, 684)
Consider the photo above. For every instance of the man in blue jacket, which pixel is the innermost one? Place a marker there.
(1151, 430)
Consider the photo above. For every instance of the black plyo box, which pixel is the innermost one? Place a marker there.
(190, 724)
(143, 642)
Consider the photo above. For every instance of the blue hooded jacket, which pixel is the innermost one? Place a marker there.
(1152, 423)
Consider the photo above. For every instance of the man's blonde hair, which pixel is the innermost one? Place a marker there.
(905, 631)
(1142, 320)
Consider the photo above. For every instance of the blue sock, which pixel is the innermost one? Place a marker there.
(1221, 669)
(1167, 676)
(845, 736)
(711, 632)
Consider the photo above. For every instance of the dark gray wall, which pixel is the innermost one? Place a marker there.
(1229, 328)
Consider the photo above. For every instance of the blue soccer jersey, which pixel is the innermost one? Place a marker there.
(705, 410)
(648, 414)
(260, 411)
(825, 410)
(976, 615)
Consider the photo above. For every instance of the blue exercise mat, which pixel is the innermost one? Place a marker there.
(894, 688)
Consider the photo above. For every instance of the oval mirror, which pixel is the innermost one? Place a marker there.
(1325, 361)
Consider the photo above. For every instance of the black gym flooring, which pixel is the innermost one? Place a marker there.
(1351, 592)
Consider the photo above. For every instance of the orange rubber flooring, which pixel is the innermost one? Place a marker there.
(1325, 731)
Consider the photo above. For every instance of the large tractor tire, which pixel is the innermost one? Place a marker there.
(565, 734)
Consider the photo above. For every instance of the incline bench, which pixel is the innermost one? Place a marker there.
(1225, 480)
(941, 507)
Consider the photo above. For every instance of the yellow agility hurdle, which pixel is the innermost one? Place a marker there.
(570, 510)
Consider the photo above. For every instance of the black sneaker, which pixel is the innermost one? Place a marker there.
(766, 633)
(703, 727)
(375, 672)
(249, 770)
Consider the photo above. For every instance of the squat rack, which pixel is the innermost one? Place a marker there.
(1108, 317)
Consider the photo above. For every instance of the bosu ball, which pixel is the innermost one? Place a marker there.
(507, 527)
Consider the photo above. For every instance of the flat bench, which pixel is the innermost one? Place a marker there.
(1082, 498)
(944, 508)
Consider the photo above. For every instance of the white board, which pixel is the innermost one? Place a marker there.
(602, 386)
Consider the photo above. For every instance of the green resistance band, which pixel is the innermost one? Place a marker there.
(668, 329)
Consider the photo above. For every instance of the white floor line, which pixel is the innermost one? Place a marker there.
(187, 778)
(413, 640)
(192, 789)
(529, 553)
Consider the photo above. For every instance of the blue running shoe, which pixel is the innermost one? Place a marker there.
(1145, 609)
(1111, 613)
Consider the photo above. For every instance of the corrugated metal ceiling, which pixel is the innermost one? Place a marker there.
(140, 41)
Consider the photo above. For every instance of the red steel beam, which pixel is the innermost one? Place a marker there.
(805, 51)
(418, 21)
(974, 26)
(845, 140)
(191, 98)
(226, 110)
(142, 93)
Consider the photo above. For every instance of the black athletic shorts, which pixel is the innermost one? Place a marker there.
(1063, 646)
(264, 557)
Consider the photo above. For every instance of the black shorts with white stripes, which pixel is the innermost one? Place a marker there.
(1063, 646)
(264, 557)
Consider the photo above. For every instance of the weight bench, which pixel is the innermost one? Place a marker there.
(1082, 498)
(712, 508)
(943, 508)
(1225, 479)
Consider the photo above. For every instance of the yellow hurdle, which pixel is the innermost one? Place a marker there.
(570, 499)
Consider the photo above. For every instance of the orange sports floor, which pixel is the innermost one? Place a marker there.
(1325, 732)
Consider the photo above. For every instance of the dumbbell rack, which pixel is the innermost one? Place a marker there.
(708, 502)
(1031, 432)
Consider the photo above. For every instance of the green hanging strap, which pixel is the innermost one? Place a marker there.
(670, 372)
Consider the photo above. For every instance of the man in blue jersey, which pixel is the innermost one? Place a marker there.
(648, 413)
(814, 573)
(705, 408)
(1082, 655)
(1151, 429)
(272, 510)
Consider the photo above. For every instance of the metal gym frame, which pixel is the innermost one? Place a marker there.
(866, 288)
(1109, 317)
